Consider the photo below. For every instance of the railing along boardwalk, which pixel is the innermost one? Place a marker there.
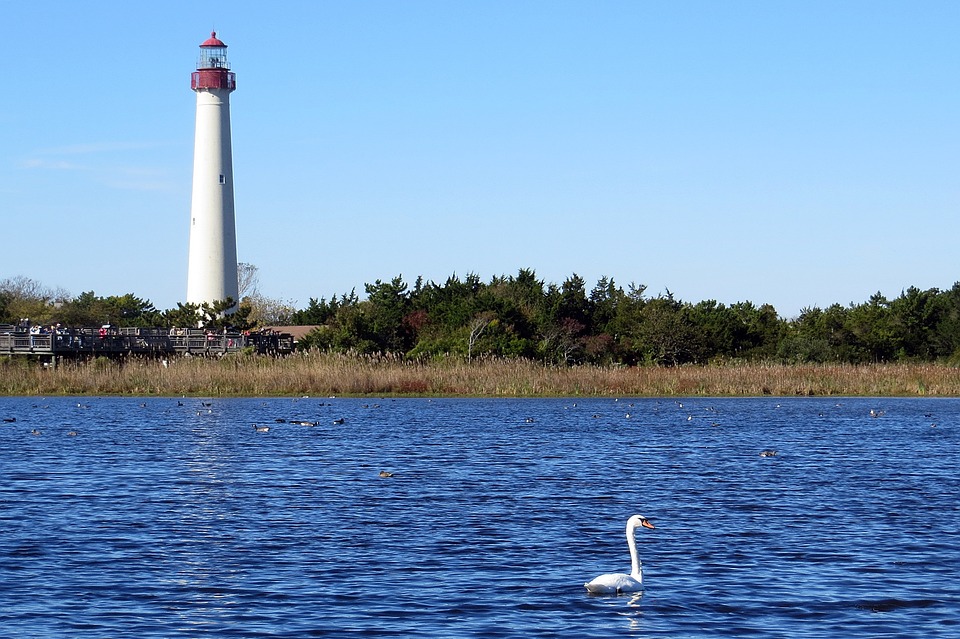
(92, 341)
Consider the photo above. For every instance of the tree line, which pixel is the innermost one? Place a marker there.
(523, 316)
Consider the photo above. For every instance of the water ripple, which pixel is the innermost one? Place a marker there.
(157, 521)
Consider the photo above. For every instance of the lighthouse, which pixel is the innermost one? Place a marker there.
(212, 266)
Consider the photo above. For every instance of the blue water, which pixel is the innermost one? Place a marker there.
(161, 520)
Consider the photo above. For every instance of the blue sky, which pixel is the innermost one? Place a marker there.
(792, 153)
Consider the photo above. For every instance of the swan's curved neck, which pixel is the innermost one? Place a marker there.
(634, 558)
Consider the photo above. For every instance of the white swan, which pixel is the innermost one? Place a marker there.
(617, 582)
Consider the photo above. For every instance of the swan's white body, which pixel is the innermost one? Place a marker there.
(617, 582)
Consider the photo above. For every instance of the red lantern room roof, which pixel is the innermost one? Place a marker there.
(212, 41)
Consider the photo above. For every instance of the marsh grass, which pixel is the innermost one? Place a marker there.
(325, 374)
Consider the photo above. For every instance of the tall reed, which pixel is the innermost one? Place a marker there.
(324, 374)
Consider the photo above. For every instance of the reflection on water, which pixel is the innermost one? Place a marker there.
(632, 611)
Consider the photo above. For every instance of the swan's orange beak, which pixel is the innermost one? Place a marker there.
(647, 524)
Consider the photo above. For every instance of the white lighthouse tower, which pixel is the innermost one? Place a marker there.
(212, 267)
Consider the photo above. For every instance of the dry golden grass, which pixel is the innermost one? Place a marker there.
(325, 374)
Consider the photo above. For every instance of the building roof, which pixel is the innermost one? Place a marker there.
(212, 41)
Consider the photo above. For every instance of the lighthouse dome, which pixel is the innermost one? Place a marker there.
(213, 41)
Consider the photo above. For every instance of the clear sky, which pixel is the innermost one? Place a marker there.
(797, 153)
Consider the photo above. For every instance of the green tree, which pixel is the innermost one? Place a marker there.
(600, 342)
(572, 303)
(870, 325)
(215, 317)
(351, 330)
(519, 303)
(386, 306)
(604, 299)
(624, 327)
(947, 336)
(318, 311)
(761, 330)
(5, 316)
(450, 306)
(914, 318)
(833, 325)
(721, 330)
(183, 316)
(806, 339)
(666, 333)
(130, 310)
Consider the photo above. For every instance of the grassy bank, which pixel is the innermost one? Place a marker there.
(326, 374)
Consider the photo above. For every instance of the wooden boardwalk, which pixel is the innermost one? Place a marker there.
(111, 341)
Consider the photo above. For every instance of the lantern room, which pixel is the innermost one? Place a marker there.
(213, 68)
(213, 54)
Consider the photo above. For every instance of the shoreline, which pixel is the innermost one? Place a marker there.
(325, 374)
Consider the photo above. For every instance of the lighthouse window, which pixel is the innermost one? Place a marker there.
(223, 180)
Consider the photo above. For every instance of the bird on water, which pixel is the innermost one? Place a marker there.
(617, 582)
